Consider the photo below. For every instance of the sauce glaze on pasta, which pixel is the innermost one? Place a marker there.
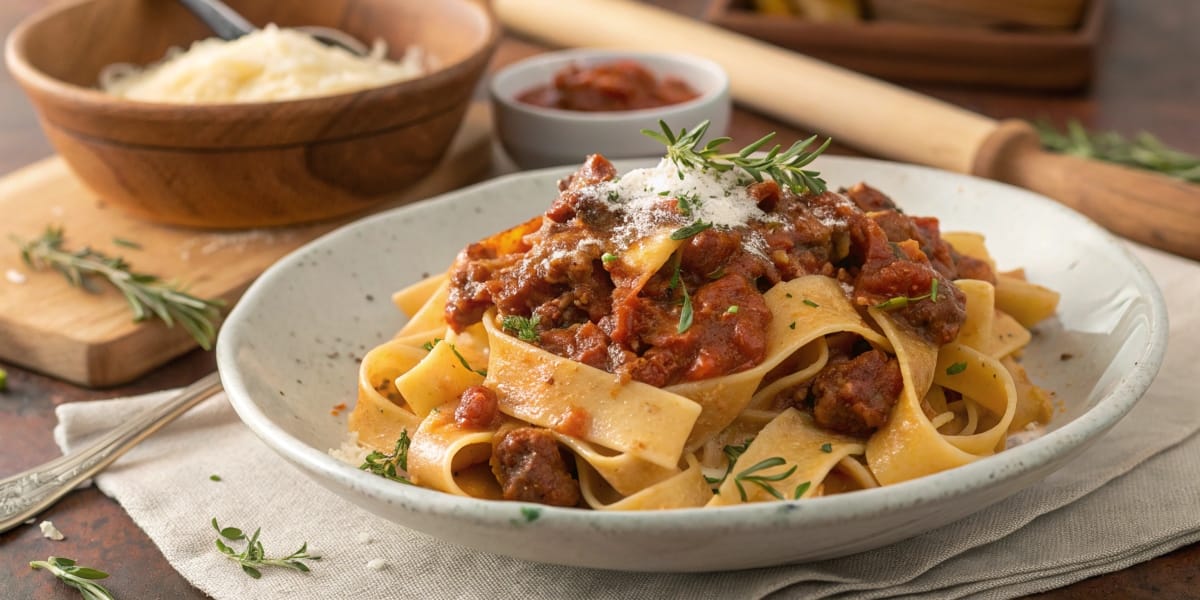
(665, 339)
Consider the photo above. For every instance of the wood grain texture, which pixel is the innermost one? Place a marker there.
(250, 164)
(49, 326)
(921, 51)
(1061, 14)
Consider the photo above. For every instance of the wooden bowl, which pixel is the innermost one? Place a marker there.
(255, 164)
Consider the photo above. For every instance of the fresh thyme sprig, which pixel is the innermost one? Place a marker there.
(80, 578)
(254, 557)
(147, 295)
(384, 465)
(732, 453)
(1144, 151)
(786, 167)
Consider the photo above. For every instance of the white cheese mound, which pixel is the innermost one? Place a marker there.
(268, 64)
(49, 531)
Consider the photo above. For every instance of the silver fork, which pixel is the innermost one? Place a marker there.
(24, 495)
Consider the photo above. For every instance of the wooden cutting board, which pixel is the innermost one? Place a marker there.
(90, 338)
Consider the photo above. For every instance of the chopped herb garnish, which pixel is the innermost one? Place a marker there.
(614, 196)
(732, 453)
(688, 231)
(254, 556)
(800, 489)
(148, 295)
(750, 475)
(428, 346)
(676, 281)
(466, 365)
(384, 465)
(688, 204)
(787, 294)
(3, 380)
(903, 301)
(792, 325)
(733, 310)
(956, 368)
(784, 166)
(664, 193)
(214, 477)
(530, 513)
(827, 448)
(80, 578)
(526, 329)
(811, 303)
(127, 243)
(608, 257)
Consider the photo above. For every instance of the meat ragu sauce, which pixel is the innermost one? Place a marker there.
(615, 86)
(560, 271)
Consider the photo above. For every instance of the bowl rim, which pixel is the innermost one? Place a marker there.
(27, 74)
(707, 96)
(1024, 459)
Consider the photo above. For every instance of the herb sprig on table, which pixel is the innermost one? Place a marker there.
(80, 578)
(254, 558)
(786, 167)
(1144, 151)
(148, 295)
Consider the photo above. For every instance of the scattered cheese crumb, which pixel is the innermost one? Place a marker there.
(350, 452)
(364, 537)
(377, 564)
(14, 276)
(49, 531)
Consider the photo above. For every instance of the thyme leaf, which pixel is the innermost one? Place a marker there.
(80, 578)
(384, 465)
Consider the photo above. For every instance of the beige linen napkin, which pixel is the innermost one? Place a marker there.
(1098, 514)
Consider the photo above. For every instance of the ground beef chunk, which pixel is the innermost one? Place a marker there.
(530, 468)
(855, 396)
(477, 408)
(585, 343)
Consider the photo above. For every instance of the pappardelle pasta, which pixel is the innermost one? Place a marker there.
(702, 333)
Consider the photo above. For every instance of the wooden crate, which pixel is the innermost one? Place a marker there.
(1046, 59)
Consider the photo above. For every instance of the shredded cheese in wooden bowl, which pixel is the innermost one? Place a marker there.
(267, 65)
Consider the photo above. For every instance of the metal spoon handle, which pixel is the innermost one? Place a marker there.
(26, 494)
(224, 21)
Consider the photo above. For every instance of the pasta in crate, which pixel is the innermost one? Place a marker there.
(716, 330)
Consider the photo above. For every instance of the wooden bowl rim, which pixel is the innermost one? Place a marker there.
(61, 91)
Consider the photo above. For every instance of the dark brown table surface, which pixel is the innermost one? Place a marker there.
(1147, 78)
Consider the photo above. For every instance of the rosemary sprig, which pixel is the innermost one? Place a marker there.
(1144, 151)
(147, 295)
(80, 578)
(254, 557)
(784, 166)
(384, 465)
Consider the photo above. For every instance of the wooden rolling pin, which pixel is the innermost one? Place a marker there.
(881, 118)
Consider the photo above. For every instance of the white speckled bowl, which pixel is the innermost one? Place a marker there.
(541, 137)
(287, 354)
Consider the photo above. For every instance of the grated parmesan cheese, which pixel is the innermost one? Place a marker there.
(14, 276)
(268, 64)
(50, 532)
